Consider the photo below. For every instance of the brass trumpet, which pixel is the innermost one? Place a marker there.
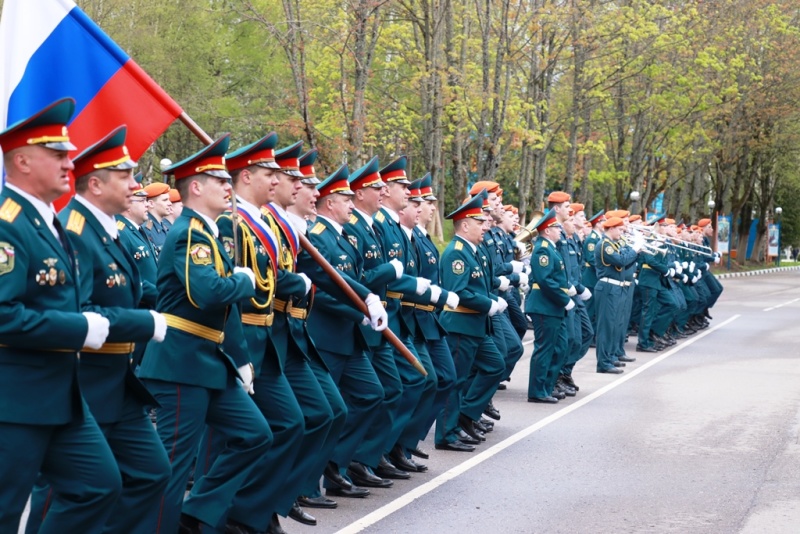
(676, 242)
(526, 236)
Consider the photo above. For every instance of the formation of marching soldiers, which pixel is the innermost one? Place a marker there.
(206, 303)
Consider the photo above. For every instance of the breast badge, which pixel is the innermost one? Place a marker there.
(48, 276)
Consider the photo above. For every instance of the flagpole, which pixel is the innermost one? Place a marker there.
(315, 255)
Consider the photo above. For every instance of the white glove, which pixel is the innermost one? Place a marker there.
(637, 243)
(695, 279)
(494, 309)
(636, 281)
(523, 278)
(685, 265)
(307, 280)
(528, 269)
(691, 266)
(678, 267)
(248, 271)
(570, 305)
(436, 292)
(502, 303)
(716, 260)
(524, 288)
(586, 295)
(670, 273)
(398, 268)
(98, 330)
(365, 321)
(504, 283)
(699, 275)
(378, 319)
(159, 326)
(452, 300)
(422, 285)
(572, 291)
(685, 278)
(519, 245)
(246, 378)
(517, 266)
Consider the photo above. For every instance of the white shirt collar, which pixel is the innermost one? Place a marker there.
(211, 224)
(337, 226)
(108, 222)
(409, 231)
(47, 212)
(393, 214)
(422, 229)
(367, 218)
(299, 223)
(473, 245)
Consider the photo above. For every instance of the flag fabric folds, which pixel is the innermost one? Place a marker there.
(51, 49)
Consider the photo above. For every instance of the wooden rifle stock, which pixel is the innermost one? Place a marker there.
(360, 304)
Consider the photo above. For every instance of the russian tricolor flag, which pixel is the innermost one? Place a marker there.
(51, 49)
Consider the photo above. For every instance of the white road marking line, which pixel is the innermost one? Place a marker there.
(780, 305)
(406, 499)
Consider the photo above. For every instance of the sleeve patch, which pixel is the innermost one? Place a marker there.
(318, 229)
(227, 244)
(609, 250)
(6, 258)
(544, 261)
(590, 247)
(200, 254)
(458, 266)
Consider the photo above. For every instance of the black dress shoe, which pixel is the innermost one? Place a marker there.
(456, 445)
(501, 387)
(275, 526)
(481, 427)
(234, 527)
(612, 371)
(640, 348)
(488, 423)
(491, 411)
(397, 457)
(386, 469)
(568, 391)
(544, 400)
(466, 438)
(419, 453)
(467, 426)
(299, 515)
(354, 492)
(567, 379)
(361, 476)
(189, 525)
(626, 358)
(332, 474)
(619, 364)
(316, 502)
(558, 395)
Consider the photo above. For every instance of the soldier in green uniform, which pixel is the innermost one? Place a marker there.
(201, 374)
(547, 306)
(611, 259)
(134, 240)
(656, 299)
(589, 272)
(464, 272)
(45, 425)
(334, 327)
(111, 286)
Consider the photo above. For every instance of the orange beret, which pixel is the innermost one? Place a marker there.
(612, 222)
(577, 206)
(558, 196)
(695, 228)
(508, 207)
(634, 218)
(174, 196)
(499, 191)
(155, 189)
(669, 221)
(618, 213)
(491, 187)
(702, 223)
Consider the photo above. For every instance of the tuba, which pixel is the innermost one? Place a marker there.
(526, 236)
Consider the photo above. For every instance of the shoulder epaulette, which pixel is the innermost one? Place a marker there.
(318, 229)
(380, 217)
(459, 245)
(545, 244)
(76, 222)
(353, 219)
(9, 210)
(196, 224)
(121, 226)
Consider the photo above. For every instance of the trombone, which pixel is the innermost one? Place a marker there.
(676, 242)
(648, 241)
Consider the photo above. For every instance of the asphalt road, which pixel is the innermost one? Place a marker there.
(702, 438)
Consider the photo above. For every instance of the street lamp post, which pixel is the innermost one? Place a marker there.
(778, 212)
(634, 196)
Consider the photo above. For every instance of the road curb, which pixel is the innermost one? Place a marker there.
(757, 272)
